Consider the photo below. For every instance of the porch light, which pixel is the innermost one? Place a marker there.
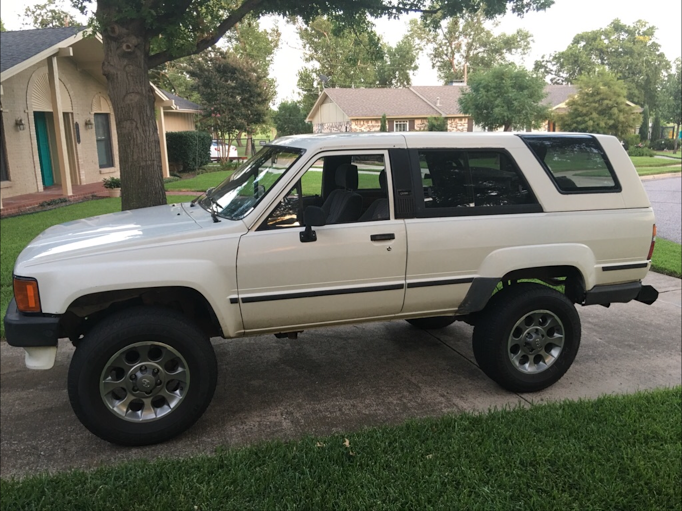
(88, 124)
(19, 123)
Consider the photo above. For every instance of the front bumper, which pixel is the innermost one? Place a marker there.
(620, 293)
(30, 330)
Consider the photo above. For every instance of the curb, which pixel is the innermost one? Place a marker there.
(661, 176)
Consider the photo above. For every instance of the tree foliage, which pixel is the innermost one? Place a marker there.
(289, 119)
(628, 51)
(670, 104)
(600, 106)
(235, 93)
(51, 14)
(506, 96)
(383, 125)
(139, 36)
(466, 41)
(351, 56)
(2, 26)
(656, 128)
(437, 123)
(646, 124)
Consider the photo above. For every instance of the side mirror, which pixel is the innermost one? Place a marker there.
(313, 216)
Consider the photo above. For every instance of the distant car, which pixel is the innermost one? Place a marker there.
(220, 151)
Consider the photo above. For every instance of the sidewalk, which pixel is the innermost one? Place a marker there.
(31, 201)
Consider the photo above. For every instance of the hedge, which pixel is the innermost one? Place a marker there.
(189, 150)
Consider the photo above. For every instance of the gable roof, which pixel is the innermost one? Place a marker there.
(376, 102)
(19, 46)
(182, 103)
(558, 94)
(441, 100)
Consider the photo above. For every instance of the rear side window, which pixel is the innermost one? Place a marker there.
(576, 164)
(472, 182)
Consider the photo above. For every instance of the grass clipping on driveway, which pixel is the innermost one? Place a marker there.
(614, 453)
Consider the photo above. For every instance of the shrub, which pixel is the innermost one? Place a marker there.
(111, 182)
(640, 151)
(189, 150)
(630, 141)
(663, 144)
(436, 123)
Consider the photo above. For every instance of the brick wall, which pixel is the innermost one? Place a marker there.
(22, 151)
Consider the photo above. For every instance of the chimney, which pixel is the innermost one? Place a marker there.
(437, 101)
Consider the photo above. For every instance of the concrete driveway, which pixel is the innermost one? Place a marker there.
(340, 379)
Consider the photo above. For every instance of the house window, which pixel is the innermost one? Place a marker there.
(400, 126)
(103, 135)
(4, 170)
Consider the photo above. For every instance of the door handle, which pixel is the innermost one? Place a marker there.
(382, 237)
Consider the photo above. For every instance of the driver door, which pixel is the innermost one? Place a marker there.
(353, 271)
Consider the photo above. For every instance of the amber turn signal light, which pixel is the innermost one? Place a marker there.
(26, 294)
(653, 243)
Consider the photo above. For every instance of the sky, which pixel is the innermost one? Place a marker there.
(552, 31)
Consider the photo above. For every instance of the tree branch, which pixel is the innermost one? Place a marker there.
(237, 15)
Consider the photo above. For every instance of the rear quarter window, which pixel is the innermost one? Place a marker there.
(576, 164)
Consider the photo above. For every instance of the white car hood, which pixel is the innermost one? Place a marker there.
(126, 229)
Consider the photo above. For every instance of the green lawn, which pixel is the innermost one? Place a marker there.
(667, 258)
(670, 154)
(200, 183)
(650, 171)
(646, 161)
(613, 453)
(311, 181)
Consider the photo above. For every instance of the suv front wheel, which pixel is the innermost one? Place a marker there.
(527, 337)
(142, 376)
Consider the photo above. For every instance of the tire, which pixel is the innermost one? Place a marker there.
(129, 352)
(434, 323)
(527, 337)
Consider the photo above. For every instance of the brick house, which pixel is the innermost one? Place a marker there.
(57, 124)
(406, 109)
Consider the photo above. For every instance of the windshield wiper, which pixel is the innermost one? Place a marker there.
(212, 209)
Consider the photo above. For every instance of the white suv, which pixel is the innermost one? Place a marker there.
(505, 231)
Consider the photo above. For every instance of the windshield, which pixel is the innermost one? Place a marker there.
(235, 197)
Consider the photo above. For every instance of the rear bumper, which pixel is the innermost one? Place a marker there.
(620, 293)
(30, 331)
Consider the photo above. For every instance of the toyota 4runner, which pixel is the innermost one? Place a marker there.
(504, 231)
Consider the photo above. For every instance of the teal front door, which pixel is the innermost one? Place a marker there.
(43, 142)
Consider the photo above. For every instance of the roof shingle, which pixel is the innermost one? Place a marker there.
(181, 103)
(21, 45)
(419, 100)
(377, 102)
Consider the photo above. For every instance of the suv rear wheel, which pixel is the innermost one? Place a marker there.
(142, 376)
(527, 337)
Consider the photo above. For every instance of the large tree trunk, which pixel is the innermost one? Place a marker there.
(126, 49)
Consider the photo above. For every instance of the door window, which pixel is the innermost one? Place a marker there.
(321, 177)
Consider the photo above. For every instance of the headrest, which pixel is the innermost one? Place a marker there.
(383, 182)
(541, 151)
(347, 176)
